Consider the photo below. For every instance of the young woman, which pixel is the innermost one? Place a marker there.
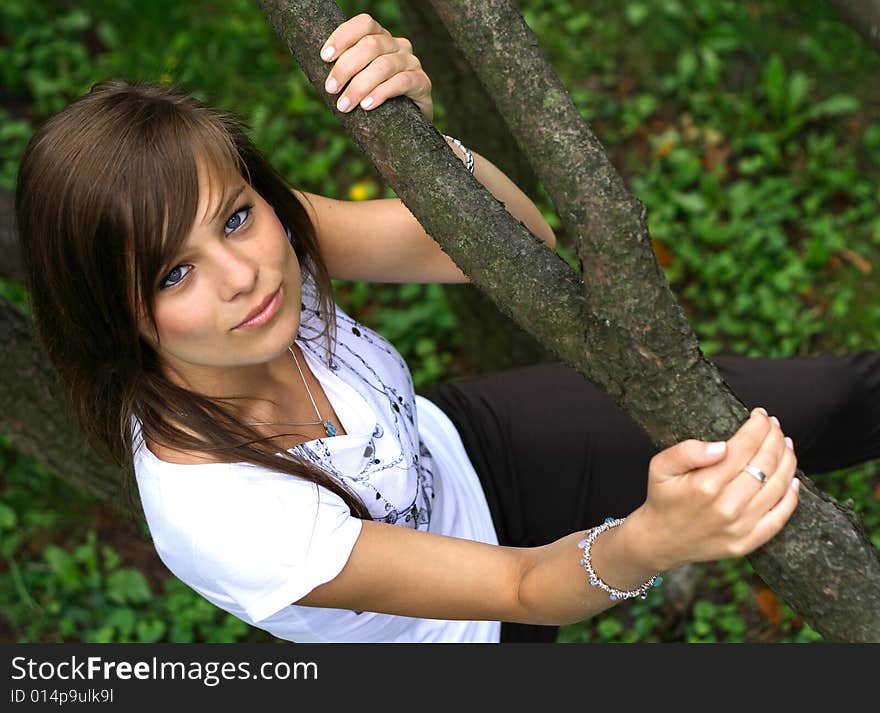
(287, 470)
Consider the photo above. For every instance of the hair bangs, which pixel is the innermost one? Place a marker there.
(166, 207)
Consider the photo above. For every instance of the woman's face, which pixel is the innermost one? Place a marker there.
(233, 298)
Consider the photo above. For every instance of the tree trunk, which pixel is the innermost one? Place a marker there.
(494, 341)
(33, 416)
(863, 16)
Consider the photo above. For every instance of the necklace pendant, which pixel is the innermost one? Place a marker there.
(329, 428)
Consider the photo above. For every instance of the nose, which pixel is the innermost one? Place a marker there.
(238, 272)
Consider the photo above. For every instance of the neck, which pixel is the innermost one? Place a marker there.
(272, 391)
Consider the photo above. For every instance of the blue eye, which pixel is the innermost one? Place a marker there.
(175, 276)
(234, 222)
(178, 273)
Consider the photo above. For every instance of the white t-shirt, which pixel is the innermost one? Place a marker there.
(252, 541)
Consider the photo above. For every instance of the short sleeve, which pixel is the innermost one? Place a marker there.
(267, 541)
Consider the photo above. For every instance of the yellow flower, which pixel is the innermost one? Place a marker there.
(362, 191)
(165, 78)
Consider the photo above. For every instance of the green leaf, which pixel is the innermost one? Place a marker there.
(578, 23)
(150, 631)
(732, 624)
(837, 105)
(689, 202)
(609, 627)
(687, 66)
(8, 517)
(63, 565)
(128, 586)
(111, 559)
(9, 543)
(102, 635)
(108, 34)
(751, 165)
(636, 13)
(871, 137)
(123, 620)
(704, 609)
(74, 21)
(775, 85)
(701, 627)
(798, 88)
(711, 65)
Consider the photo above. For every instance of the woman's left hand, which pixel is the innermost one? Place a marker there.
(375, 65)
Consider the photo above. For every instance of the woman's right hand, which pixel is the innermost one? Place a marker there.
(703, 507)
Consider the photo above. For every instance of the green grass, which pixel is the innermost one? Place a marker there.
(751, 132)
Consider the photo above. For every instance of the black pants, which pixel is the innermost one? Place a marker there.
(555, 454)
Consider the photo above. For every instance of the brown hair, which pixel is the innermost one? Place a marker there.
(107, 191)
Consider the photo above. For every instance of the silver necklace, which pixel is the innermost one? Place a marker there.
(329, 428)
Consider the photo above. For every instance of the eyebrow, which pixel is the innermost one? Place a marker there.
(227, 206)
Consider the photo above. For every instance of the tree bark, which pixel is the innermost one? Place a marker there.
(33, 415)
(863, 16)
(494, 342)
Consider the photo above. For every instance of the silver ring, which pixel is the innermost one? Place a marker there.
(759, 474)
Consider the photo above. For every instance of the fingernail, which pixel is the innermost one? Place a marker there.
(342, 104)
(789, 443)
(713, 449)
(331, 85)
(367, 102)
(775, 420)
(795, 485)
(759, 409)
(327, 52)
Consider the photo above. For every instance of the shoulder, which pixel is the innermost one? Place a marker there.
(214, 502)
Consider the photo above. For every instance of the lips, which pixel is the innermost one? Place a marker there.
(263, 312)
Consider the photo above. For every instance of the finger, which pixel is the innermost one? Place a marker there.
(401, 84)
(773, 520)
(741, 447)
(368, 51)
(739, 491)
(774, 489)
(348, 33)
(387, 76)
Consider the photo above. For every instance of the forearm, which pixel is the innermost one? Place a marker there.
(518, 204)
(554, 588)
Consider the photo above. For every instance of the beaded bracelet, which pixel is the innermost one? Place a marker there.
(469, 157)
(595, 581)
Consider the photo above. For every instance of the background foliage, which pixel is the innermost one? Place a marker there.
(750, 130)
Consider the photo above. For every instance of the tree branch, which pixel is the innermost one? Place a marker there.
(494, 341)
(33, 415)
